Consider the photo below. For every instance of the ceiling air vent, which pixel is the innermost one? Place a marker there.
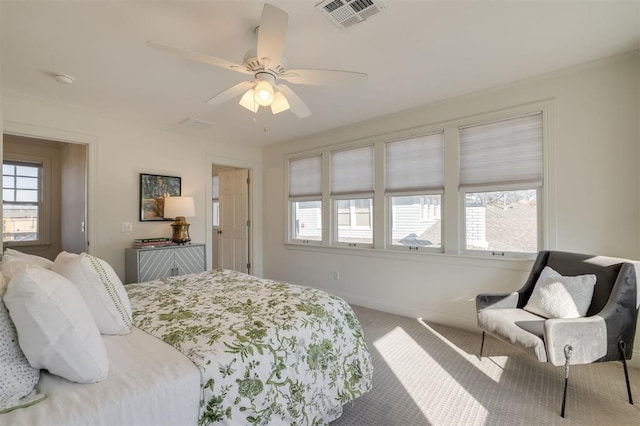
(345, 13)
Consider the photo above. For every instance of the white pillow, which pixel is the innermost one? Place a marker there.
(557, 296)
(30, 258)
(17, 378)
(55, 329)
(101, 288)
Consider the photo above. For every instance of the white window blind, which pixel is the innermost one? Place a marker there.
(352, 171)
(305, 176)
(215, 187)
(502, 152)
(415, 164)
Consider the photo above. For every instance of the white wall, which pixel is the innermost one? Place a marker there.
(119, 152)
(593, 206)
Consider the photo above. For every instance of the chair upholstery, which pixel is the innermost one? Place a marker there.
(606, 333)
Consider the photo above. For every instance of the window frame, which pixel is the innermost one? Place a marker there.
(390, 221)
(541, 192)
(290, 217)
(291, 227)
(336, 228)
(501, 253)
(44, 198)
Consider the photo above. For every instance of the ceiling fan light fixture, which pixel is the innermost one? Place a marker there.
(263, 93)
(279, 104)
(248, 101)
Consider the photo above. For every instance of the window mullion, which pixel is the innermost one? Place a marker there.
(327, 207)
(379, 213)
(451, 204)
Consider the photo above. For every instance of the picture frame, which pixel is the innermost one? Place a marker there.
(153, 190)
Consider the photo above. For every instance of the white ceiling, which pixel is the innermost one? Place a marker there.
(415, 53)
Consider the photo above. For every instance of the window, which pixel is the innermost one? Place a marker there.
(21, 194)
(305, 199)
(215, 199)
(414, 182)
(501, 171)
(472, 185)
(352, 179)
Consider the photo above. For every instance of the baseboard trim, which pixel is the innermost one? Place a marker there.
(406, 311)
(634, 362)
(429, 315)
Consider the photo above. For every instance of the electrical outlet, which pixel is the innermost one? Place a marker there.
(126, 227)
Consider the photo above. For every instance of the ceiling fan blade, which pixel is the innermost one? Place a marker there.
(295, 103)
(324, 77)
(200, 57)
(272, 33)
(230, 93)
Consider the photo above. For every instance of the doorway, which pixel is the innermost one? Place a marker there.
(45, 195)
(231, 207)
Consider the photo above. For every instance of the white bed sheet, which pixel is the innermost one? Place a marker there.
(149, 383)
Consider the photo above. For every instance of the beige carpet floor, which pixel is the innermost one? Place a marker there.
(429, 374)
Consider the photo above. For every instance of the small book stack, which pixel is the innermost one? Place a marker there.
(152, 242)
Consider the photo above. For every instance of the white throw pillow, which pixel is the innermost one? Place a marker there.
(557, 296)
(101, 288)
(30, 258)
(17, 378)
(55, 328)
(13, 261)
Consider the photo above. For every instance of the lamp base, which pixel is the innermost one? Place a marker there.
(180, 231)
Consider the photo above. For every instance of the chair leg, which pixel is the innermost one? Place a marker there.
(568, 350)
(482, 345)
(623, 354)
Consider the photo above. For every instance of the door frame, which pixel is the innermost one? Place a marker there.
(255, 207)
(58, 135)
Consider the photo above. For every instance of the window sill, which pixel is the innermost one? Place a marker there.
(520, 263)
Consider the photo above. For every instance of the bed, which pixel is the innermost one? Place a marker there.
(219, 347)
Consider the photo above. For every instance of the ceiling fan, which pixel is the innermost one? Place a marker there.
(269, 67)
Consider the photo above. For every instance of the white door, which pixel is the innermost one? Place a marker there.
(233, 246)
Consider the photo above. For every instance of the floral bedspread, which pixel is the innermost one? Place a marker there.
(269, 352)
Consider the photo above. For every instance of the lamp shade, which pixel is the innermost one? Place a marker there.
(179, 206)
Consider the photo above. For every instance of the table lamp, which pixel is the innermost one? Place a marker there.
(179, 208)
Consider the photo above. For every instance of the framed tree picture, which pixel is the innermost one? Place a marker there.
(153, 190)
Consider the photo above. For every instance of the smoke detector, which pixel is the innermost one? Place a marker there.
(346, 13)
(62, 78)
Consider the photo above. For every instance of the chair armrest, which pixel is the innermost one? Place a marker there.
(587, 336)
(496, 301)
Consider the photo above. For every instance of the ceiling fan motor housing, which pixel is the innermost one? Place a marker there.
(254, 64)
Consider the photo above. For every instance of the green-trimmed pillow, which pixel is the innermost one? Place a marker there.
(101, 288)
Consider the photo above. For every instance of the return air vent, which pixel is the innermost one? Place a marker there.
(346, 13)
